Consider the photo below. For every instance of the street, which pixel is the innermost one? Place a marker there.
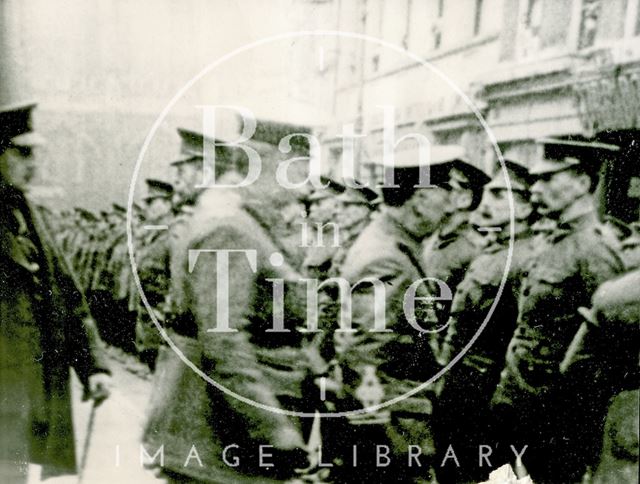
(114, 447)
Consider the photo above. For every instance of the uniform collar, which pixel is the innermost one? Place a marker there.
(395, 228)
(521, 231)
(456, 225)
(578, 220)
(579, 214)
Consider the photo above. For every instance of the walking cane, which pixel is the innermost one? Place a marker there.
(87, 440)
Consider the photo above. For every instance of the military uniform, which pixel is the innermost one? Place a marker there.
(45, 327)
(446, 255)
(532, 398)
(266, 368)
(377, 367)
(609, 343)
(324, 204)
(467, 422)
(154, 274)
(153, 248)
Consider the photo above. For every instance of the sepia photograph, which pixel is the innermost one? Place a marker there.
(319, 241)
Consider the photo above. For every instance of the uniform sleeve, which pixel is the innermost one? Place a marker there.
(230, 358)
(472, 298)
(589, 354)
(370, 347)
(84, 346)
(598, 263)
(391, 273)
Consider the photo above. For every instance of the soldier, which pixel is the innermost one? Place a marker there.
(447, 253)
(379, 366)
(608, 343)
(115, 323)
(45, 326)
(465, 422)
(154, 270)
(75, 240)
(631, 247)
(325, 231)
(267, 368)
(532, 399)
(186, 193)
(190, 172)
(357, 207)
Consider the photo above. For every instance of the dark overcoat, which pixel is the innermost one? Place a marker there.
(45, 329)
(610, 343)
(265, 368)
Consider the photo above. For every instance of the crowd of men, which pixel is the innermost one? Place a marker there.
(506, 291)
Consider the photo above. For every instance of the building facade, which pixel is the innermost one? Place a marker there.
(531, 68)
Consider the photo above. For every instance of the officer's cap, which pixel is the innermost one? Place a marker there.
(560, 155)
(158, 189)
(193, 145)
(467, 175)
(447, 167)
(272, 132)
(332, 189)
(15, 126)
(447, 163)
(85, 214)
(118, 209)
(360, 196)
(519, 177)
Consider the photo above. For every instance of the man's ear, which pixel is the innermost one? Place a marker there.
(462, 199)
(522, 208)
(584, 183)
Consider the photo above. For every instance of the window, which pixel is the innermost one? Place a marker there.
(477, 21)
(437, 36)
(542, 26)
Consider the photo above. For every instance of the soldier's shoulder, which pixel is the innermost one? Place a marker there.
(487, 267)
(372, 250)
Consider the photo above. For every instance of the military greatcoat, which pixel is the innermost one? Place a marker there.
(378, 366)
(562, 277)
(248, 364)
(45, 329)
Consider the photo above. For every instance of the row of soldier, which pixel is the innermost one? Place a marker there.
(521, 253)
(506, 389)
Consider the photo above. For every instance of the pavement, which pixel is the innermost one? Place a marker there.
(114, 448)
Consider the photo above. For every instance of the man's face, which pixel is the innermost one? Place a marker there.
(351, 214)
(115, 219)
(428, 208)
(324, 210)
(188, 175)
(18, 166)
(554, 192)
(158, 207)
(494, 208)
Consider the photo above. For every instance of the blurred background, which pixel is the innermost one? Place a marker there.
(104, 70)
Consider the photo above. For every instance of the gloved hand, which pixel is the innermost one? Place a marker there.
(99, 388)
